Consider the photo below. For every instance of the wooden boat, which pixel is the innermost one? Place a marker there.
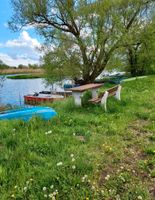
(39, 98)
(65, 93)
(26, 114)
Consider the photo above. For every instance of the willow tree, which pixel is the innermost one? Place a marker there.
(81, 35)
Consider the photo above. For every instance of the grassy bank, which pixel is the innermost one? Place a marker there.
(20, 71)
(26, 76)
(84, 153)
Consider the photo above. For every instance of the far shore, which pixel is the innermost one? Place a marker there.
(21, 71)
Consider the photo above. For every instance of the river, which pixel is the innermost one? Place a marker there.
(12, 91)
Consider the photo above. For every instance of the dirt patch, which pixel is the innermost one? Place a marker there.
(80, 138)
(137, 127)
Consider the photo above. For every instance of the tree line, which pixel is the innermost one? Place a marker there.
(20, 66)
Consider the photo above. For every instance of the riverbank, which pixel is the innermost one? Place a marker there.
(84, 153)
(27, 76)
(21, 71)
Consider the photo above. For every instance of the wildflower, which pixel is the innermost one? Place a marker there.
(102, 191)
(93, 187)
(74, 134)
(140, 197)
(27, 182)
(14, 129)
(50, 195)
(87, 198)
(59, 163)
(72, 155)
(52, 186)
(13, 196)
(107, 177)
(49, 132)
(31, 179)
(25, 188)
(45, 195)
(118, 197)
(84, 178)
(73, 159)
(44, 188)
(15, 186)
(73, 167)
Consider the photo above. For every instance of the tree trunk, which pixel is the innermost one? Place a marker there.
(132, 62)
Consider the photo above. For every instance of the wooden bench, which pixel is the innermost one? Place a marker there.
(77, 92)
(102, 98)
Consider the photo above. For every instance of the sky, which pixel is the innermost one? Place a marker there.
(17, 47)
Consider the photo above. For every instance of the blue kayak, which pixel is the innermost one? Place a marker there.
(26, 114)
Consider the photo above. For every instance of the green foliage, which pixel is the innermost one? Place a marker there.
(3, 65)
(82, 36)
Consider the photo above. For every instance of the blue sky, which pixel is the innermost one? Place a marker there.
(20, 47)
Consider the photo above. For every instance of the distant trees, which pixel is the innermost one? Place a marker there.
(140, 50)
(3, 65)
(33, 66)
(83, 36)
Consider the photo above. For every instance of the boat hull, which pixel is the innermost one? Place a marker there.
(36, 100)
(26, 114)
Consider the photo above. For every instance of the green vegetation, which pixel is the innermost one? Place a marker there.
(84, 37)
(3, 65)
(83, 153)
(26, 76)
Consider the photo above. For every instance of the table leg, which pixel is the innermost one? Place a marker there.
(77, 98)
(94, 93)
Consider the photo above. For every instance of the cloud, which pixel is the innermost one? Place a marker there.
(16, 61)
(24, 40)
(22, 50)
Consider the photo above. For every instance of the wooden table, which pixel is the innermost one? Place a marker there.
(77, 92)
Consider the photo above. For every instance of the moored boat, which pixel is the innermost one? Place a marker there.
(26, 114)
(38, 98)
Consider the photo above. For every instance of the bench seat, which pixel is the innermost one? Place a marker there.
(102, 98)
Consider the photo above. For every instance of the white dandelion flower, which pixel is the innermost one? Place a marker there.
(73, 167)
(52, 186)
(25, 188)
(44, 188)
(107, 177)
(59, 163)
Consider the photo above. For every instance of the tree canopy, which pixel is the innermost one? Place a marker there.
(82, 35)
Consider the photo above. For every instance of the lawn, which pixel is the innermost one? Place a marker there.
(84, 153)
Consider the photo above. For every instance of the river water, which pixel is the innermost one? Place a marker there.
(12, 91)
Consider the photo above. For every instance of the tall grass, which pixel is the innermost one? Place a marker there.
(83, 153)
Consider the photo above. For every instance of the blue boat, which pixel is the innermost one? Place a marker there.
(26, 114)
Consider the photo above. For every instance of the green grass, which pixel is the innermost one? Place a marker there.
(26, 76)
(83, 153)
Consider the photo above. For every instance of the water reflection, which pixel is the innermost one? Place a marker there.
(12, 91)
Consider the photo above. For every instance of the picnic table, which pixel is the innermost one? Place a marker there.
(77, 92)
